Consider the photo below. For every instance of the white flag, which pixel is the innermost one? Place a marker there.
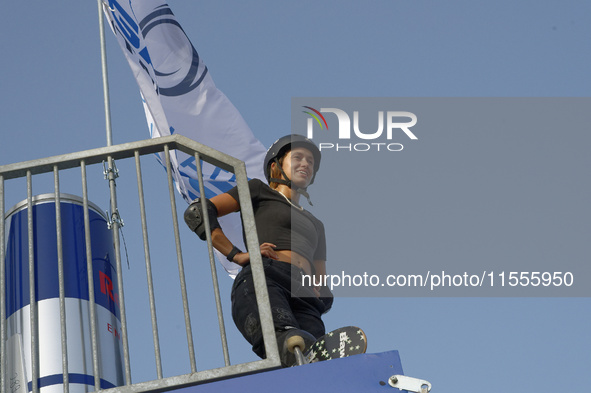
(180, 98)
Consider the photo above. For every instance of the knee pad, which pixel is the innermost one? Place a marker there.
(194, 217)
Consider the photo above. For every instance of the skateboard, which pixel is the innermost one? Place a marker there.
(340, 343)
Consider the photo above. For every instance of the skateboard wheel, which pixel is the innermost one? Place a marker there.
(295, 341)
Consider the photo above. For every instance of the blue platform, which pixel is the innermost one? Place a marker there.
(359, 373)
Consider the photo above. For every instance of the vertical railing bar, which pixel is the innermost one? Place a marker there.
(214, 275)
(256, 263)
(89, 268)
(140, 187)
(32, 295)
(60, 267)
(2, 291)
(180, 262)
(116, 242)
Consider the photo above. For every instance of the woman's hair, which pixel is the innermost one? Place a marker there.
(276, 171)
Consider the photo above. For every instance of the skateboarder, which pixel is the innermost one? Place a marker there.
(292, 244)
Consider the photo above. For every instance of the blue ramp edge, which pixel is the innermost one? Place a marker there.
(359, 373)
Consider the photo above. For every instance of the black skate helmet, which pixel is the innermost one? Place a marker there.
(284, 144)
(279, 149)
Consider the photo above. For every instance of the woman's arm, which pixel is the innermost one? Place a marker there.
(225, 204)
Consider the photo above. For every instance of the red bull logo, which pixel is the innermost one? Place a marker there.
(107, 288)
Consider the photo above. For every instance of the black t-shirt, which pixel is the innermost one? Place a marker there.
(279, 223)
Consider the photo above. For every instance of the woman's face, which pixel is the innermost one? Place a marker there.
(298, 164)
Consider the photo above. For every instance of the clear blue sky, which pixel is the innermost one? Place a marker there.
(263, 53)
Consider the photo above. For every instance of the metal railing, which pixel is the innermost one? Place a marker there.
(133, 151)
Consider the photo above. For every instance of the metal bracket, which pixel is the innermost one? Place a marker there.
(115, 218)
(410, 384)
(110, 173)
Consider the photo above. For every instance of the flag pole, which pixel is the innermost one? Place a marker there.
(105, 76)
(115, 220)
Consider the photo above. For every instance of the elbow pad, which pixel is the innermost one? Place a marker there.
(194, 217)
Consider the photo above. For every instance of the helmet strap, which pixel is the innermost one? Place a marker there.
(304, 193)
(287, 181)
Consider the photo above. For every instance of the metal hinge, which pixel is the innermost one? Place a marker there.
(110, 173)
(409, 384)
(115, 218)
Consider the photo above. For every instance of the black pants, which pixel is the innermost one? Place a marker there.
(299, 309)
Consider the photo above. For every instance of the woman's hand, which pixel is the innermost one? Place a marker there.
(267, 250)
